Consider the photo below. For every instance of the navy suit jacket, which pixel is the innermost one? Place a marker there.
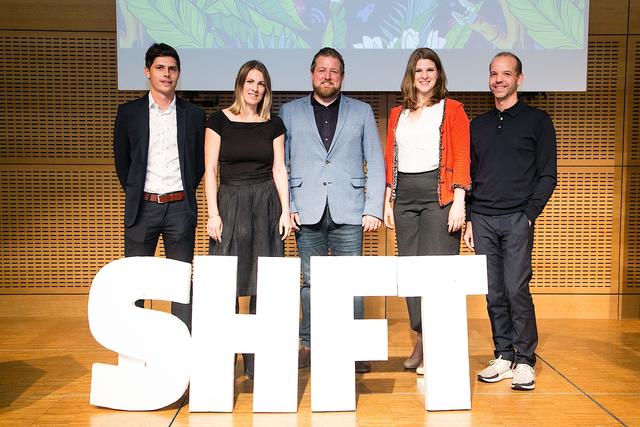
(131, 148)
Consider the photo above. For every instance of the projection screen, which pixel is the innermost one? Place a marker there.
(214, 37)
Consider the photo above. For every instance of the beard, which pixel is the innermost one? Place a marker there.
(326, 92)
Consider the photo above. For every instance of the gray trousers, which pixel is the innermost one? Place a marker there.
(421, 227)
(507, 241)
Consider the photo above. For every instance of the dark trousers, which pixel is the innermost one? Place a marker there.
(178, 234)
(507, 241)
(421, 227)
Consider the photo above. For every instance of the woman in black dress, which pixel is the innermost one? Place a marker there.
(249, 213)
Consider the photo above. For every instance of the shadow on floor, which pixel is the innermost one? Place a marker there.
(40, 377)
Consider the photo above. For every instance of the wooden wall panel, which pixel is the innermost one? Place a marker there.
(589, 129)
(608, 16)
(634, 17)
(56, 15)
(631, 232)
(58, 97)
(60, 225)
(576, 237)
(632, 121)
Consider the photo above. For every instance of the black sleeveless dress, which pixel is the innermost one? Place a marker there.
(247, 197)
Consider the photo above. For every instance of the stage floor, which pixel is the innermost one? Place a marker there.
(588, 374)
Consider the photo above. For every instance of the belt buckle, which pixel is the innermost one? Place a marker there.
(159, 201)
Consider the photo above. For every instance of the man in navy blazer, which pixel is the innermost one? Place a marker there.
(158, 146)
(334, 199)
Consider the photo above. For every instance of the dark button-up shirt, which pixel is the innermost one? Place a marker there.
(513, 161)
(326, 119)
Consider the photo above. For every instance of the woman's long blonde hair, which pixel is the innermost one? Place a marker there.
(264, 106)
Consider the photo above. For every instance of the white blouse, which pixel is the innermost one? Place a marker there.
(419, 140)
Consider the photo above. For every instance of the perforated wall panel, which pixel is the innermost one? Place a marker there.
(631, 232)
(633, 102)
(576, 237)
(58, 97)
(59, 226)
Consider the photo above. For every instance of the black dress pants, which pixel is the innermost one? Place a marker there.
(178, 234)
(421, 227)
(507, 241)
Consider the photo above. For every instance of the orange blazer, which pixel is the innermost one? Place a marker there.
(454, 151)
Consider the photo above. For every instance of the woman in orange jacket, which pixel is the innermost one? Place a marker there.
(427, 160)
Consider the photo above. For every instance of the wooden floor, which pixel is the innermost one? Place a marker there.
(588, 374)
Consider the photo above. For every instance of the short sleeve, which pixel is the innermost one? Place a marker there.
(216, 121)
(278, 126)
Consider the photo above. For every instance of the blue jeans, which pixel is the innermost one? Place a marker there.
(317, 240)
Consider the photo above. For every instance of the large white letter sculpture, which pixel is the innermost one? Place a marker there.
(218, 333)
(337, 339)
(444, 282)
(157, 357)
(153, 347)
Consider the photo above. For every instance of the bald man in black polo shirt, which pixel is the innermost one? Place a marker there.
(513, 174)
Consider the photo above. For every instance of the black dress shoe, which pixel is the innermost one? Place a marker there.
(304, 357)
(362, 367)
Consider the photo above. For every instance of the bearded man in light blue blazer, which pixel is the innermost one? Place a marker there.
(334, 197)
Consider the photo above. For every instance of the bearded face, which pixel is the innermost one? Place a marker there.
(327, 77)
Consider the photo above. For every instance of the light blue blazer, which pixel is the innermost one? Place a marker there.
(337, 177)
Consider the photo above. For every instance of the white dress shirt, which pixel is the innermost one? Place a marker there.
(163, 161)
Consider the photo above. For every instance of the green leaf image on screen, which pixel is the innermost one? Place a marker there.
(406, 17)
(221, 23)
(553, 24)
(459, 34)
(336, 32)
(181, 24)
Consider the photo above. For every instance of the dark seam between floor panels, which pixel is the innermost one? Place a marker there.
(601, 406)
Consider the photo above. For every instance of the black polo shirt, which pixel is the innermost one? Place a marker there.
(513, 161)
(326, 119)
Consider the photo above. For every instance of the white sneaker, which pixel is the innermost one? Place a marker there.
(497, 370)
(524, 377)
(420, 369)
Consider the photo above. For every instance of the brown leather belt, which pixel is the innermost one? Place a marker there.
(164, 198)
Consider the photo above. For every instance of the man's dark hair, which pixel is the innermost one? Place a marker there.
(160, 49)
(328, 51)
(510, 55)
